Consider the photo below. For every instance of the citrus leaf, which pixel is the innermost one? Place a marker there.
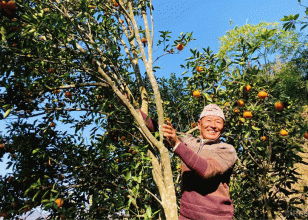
(255, 128)
(7, 113)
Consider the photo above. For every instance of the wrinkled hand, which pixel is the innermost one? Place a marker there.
(170, 134)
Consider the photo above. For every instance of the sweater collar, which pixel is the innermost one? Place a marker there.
(208, 141)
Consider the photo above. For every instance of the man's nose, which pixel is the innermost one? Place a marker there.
(213, 124)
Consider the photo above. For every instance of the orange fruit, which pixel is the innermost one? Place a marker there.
(262, 95)
(199, 68)
(196, 93)
(56, 91)
(1, 145)
(11, 5)
(51, 70)
(3, 4)
(283, 132)
(60, 177)
(52, 125)
(59, 202)
(279, 106)
(122, 21)
(240, 103)
(68, 94)
(115, 4)
(264, 138)
(247, 88)
(236, 110)
(180, 46)
(193, 125)
(241, 120)
(247, 114)
(10, 179)
(143, 40)
(306, 135)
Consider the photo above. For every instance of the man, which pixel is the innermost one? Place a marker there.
(207, 165)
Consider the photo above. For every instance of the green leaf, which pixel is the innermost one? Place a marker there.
(7, 113)
(36, 150)
(255, 128)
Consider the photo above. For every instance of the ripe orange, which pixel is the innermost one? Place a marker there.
(11, 5)
(51, 70)
(1, 145)
(10, 179)
(59, 202)
(306, 135)
(264, 138)
(3, 4)
(118, 160)
(247, 88)
(236, 110)
(283, 132)
(262, 95)
(241, 120)
(143, 40)
(247, 114)
(199, 68)
(196, 94)
(115, 4)
(52, 125)
(68, 94)
(180, 46)
(60, 177)
(279, 106)
(15, 28)
(240, 103)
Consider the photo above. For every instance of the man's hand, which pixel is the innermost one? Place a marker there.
(170, 134)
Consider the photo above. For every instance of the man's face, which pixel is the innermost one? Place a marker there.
(211, 127)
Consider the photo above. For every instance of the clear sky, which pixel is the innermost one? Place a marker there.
(208, 20)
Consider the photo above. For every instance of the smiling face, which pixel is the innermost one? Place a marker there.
(211, 127)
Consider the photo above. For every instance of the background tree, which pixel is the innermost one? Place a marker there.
(62, 57)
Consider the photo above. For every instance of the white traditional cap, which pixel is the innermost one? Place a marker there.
(212, 110)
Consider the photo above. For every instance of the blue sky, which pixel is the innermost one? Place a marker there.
(208, 20)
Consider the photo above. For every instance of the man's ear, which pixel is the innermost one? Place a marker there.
(199, 124)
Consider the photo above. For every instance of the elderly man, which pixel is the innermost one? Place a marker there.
(207, 165)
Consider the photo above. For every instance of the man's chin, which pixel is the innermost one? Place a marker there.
(212, 137)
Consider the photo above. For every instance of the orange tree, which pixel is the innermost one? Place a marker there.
(267, 138)
(80, 65)
(85, 66)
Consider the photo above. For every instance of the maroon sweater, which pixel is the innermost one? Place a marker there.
(206, 171)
